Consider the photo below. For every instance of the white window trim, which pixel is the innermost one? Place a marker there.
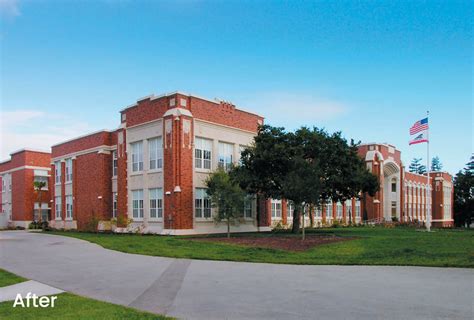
(142, 206)
(202, 217)
(159, 197)
(200, 140)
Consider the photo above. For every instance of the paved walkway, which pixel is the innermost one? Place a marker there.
(196, 289)
(9, 293)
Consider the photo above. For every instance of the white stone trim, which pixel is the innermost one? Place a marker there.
(98, 149)
(25, 167)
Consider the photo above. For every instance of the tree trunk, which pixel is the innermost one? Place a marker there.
(296, 219)
(302, 230)
(228, 228)
(311, 217)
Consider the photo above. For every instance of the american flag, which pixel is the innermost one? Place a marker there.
(419, 126)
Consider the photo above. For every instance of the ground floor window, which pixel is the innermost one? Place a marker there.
(114, 204)
(137, 204)
(57, 207)
(339, 210)
(357, 209)
(349, 209)
(248, 201)
(276, 208)
(329, 210)
(202, 204)
(156, 203)
(318, 212)
(290, 208)
(69, 207)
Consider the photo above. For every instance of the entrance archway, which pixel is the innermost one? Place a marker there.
(391, 201)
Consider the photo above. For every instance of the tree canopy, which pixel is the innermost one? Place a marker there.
(417, 167)
(436, 164)
(226, 196)
(464, 195)
(308, 166)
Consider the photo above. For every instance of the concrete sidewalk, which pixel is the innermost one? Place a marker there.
(197, 289)
(9, 293)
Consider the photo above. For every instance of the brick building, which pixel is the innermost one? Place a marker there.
(19, 201)
(152, 169)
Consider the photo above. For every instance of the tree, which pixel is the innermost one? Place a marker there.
(226, 195)
(436, 164)
(417, 167)
(39, 186)
(464, 196)
(307, 166)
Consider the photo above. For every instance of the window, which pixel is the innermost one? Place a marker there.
(68, 170)
(114, 204)
(241, 149)
(156, 203)
(318, 212)
(248, 206)
(226, 151)
(329, 210)
(57, 207)
(348, 209)
(202, 153)
(4, 184)
(357, 209)
(137, 204)
(69, 207)
(57, 172)
(290, 208)
(155, 152)
(394, 208)
(137, 156)
(41, 176)
(202, 204)
(394, 185)
(276, 208)
(339, 210)
(114, 163)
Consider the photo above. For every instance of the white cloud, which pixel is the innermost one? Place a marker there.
(9, 8)
(296, 109)
(36, 129)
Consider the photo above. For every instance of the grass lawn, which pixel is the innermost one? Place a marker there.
(7, 278)
(373, 246)
(68, 306)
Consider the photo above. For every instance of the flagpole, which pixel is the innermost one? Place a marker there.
(428, 198)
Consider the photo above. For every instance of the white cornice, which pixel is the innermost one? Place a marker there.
(82, 152)
(25, 167)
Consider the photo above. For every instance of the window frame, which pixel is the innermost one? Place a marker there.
(275, 211)
(155, 201)
(202, 202)
(57, 172)
(114, 163)
(139, 202)
(225, 155)
(68, 170)
(155, 153)
(57, 208)
(137, 156)
(69, 207)
(203, 153)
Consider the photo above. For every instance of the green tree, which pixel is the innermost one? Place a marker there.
(307, 166)
(436, 164)
(416, 166)
(226, 196)
(38, 187)
(464, 196)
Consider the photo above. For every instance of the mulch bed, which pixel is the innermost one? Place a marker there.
(279, 242)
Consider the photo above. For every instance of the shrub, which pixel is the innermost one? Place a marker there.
(394, 219)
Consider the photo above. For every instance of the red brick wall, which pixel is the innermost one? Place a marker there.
(84, 143)
(93, 180)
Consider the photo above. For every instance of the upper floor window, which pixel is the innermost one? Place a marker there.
(41, 176)
(226, 152)
(394, 185)
(276, 208)
(68, 170)
(202, 204)
(114, 163)
(155, 152)
(156, 203)
(137, 156)
(57, 172)
(202, 153)
(137, 204)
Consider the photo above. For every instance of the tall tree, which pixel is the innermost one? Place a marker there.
(39, 186)
(464, 196)
(226, 196)
(436, 164)
(416, 166)
(307, 166)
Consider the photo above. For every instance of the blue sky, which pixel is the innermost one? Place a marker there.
(369, 69)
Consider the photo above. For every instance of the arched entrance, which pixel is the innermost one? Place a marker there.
(391, 201)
